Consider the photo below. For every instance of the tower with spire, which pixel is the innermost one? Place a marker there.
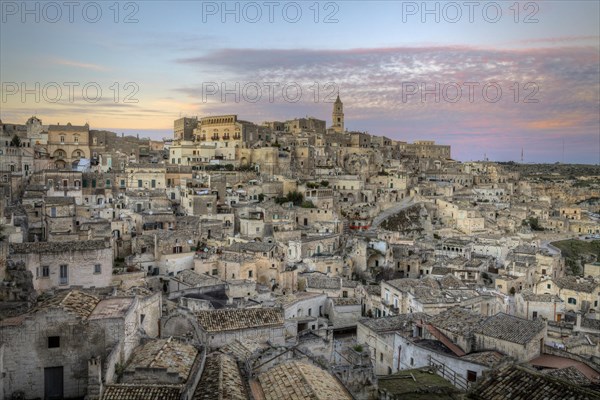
(337, 116)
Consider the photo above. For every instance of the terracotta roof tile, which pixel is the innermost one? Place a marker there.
(300, 380)
(233, 319)
(141, 392)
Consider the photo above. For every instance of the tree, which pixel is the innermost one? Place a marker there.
(294, 197)
(16, 141)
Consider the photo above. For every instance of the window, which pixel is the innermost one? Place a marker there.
(139, 183)
(53, 342)
(249, 274)
(64, 274)
(548, 286)
(108, 183)
(177, 249)
(380, 357)
(97, 269)
(62, 139)
(142, 317)
(214, 271)
(309, 312)
(534, 315)
(412, 361)
(572, 300)
(471, 376)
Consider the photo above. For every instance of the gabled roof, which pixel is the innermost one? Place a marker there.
(300, 380)
(221, 379)
(73, 302)
(234, 319)
(512, 329)
(519, 383)
(170, 354)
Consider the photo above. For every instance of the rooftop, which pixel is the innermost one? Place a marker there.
(300, 380)
(58, 247)
(192, 278)
(233, 319)
(395, 323)
(512, 329)
(520, 383)
(170, 354)
(528, 295)
(418, 384)
(577, 284)
(111, 308)
(221, 379)
(141, 392)
(458, 320)
(319, 281)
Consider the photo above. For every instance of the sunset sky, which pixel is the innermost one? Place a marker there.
(169, 56)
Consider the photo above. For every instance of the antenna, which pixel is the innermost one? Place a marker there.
(563, 154)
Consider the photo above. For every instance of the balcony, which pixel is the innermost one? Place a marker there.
(214, 138)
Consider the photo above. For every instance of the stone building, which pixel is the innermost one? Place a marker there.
(183, 128)
(50, 359)
(518, 338)
(218, 328)
(64, 264)
(68, 143)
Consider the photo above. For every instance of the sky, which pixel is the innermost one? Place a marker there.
(491, 79)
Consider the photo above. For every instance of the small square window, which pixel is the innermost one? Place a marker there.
(97, 269)
(53, 342)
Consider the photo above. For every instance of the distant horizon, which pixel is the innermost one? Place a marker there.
(160, 134)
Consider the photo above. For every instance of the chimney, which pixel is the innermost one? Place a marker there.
(94, 379)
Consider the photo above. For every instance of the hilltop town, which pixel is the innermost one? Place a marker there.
(290, 260)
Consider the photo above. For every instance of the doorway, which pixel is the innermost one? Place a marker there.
(53, 383)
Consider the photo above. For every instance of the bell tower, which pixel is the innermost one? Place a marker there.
(337, 116)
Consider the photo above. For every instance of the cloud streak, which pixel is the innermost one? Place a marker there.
(547, 92)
